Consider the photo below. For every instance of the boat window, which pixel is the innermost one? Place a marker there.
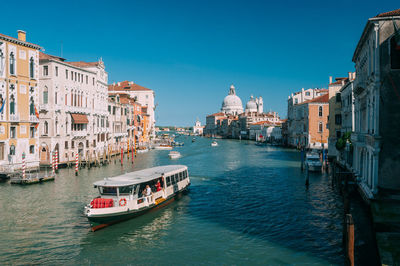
(173, 180)
(176, 178)
(108, 191)
(125, 190)
(180, 176)
(168, 181)
(185, 174)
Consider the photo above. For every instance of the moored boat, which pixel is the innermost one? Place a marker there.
(214, 144)
(313, 162)
(174, 155)
(132, 194)
(142, 150)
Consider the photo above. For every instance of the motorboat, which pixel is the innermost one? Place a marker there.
(174, 155)
(142, 150)
(313, 162)
(132, 194)
(214, 144)
(163, 147)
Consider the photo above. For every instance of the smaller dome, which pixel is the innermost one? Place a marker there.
(251, 105)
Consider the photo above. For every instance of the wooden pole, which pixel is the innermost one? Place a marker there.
(23, 166)
(307, 177)
(132, 154)
(76, 163)
(56, 161)
(350, 240)
(122, 155)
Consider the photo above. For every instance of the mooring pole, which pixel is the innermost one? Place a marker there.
(76, 163)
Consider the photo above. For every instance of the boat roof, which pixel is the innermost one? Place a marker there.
(312, 155)
(139, 177)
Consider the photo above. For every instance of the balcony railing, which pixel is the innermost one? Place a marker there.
(82, 133)
(33, 119)
(14, 117)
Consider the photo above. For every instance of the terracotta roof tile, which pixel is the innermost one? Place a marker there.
(321, 99)
(389, 14)
(126, 86)
(83, 64)
(217, 114)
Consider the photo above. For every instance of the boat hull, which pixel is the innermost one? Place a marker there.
(97, 223)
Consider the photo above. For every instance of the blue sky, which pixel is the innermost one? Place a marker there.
(190, 52)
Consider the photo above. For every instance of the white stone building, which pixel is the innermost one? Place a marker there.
(73, 108)
(232, 104)
(144, 96)
(198, 128)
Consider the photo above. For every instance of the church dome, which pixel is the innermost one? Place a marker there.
(232, 103)
(251, 105)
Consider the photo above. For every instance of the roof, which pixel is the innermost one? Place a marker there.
(389, 14)
(126, 86)
(338, 81)
(43, 56)
(141, 176)
(217, 114)
(15, 40)
(84, 64)
(79, 118)
(321, 99)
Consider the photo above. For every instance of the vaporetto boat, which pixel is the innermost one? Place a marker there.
(127, 196)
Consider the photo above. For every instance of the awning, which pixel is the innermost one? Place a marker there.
(79, 118)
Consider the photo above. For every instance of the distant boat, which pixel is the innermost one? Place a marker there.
(142, 150)
(214, 144)
(174, 155)
(193, 139)
(163, 147)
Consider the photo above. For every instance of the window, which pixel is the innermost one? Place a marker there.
(55, 98)
(338, 119)
(32, 68)
(12, 149)
(338, 134)
(13, 132)
(72, 144)
(338, 97)
(12, 63)
(32, 107)
(12, 104)
(32, 131)
(296, 101)
(45, 70)
(93, 81)
(66, 145)
(168, 181)
(32, 149)
(109, 108)
(87, 143)
(86, 79)
(46, 128)
(180, 176)
(320, 111)
(72, 75)
(1, 62)
(176, 178)
(45, 95)
(66, 74)
(395, 51)
(56, 71)
(320, 127)
(307, 93)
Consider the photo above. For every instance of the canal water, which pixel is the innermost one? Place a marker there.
(247, 205)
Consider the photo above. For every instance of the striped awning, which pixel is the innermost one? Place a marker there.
(79, 118)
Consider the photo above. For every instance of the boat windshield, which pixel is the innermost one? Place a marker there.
(112, 191)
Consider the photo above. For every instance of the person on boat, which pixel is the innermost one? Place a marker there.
(148, 190)
(158, 185)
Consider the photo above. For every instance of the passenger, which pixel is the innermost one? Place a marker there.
(158, 185)
(148, 190)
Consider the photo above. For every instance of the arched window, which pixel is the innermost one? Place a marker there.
(320, 127)
(45, 95)
(320, 111)
(46, 128)
(32, 67)
(12, 63)
(12, 105)
(32, 107)
(1, 62)
(12, 149)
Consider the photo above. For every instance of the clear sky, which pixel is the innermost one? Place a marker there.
(190, 52)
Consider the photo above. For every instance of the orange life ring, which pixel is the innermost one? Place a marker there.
(122, 200)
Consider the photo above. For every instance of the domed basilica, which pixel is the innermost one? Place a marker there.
(232, 104)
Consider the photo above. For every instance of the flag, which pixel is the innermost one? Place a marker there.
(37, 115)
(2, 107)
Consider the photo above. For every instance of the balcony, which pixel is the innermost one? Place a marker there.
(44, 107)
(33, 119)
(79, 134)
(14, 117)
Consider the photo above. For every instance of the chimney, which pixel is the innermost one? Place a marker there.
(22, 35)
(330, 79)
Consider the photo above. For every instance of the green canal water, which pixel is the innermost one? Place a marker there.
(247, 205)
